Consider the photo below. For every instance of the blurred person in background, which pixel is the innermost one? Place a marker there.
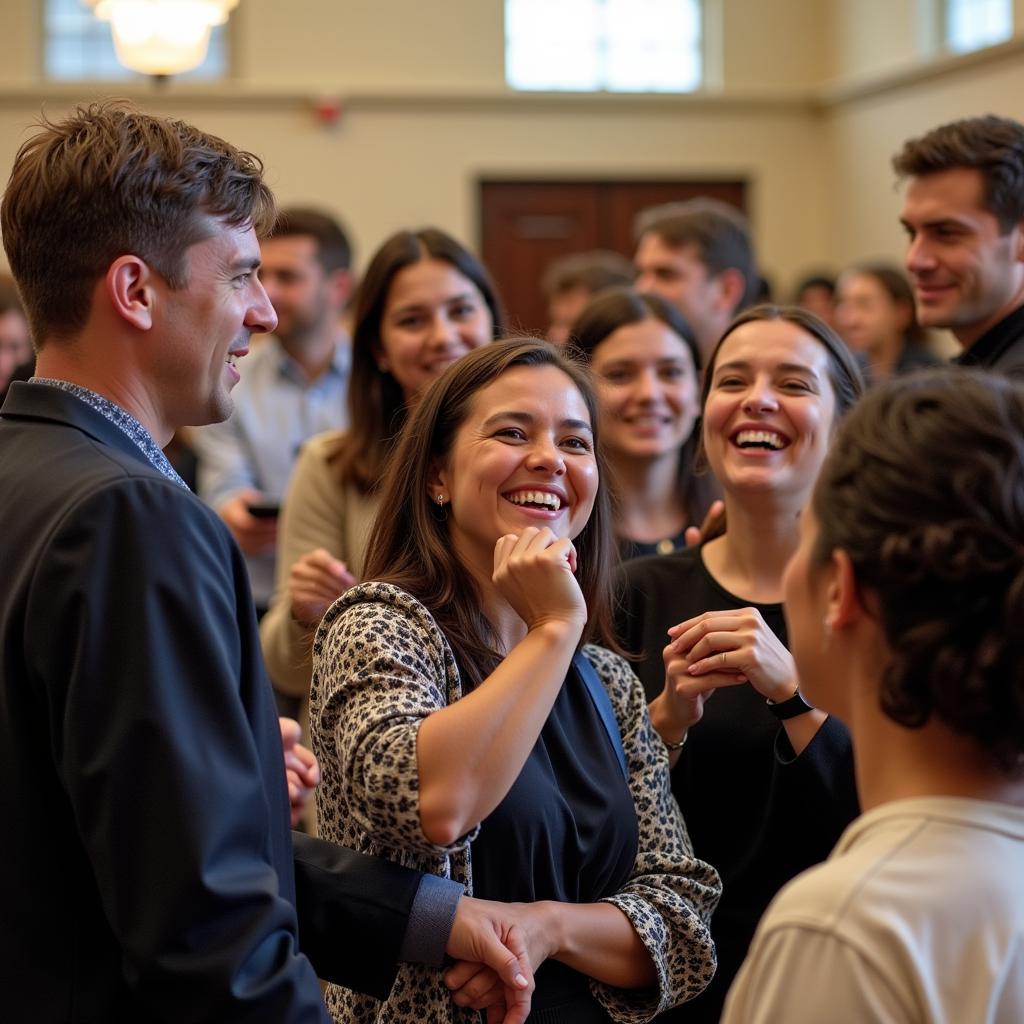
(697, 255)
(424, 301)
(875, 316)
(571, 282)
(16, 355)
(647, 377)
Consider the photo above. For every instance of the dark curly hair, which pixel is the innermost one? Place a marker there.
(924, 489)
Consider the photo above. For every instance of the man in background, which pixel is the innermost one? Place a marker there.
(697, 255)
(571, 282)
(963, 211)
(293, 385)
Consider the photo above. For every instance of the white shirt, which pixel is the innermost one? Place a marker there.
(917, 916)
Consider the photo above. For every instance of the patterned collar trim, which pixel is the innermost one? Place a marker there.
(121, 419)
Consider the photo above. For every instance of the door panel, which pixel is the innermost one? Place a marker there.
(527, 224)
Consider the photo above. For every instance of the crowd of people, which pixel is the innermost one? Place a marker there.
(669, 667)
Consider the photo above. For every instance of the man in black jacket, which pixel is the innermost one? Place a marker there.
(963, 211)
(147, 867)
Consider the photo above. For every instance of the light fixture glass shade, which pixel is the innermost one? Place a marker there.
(162, 37)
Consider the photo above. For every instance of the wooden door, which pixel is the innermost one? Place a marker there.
(524, 225)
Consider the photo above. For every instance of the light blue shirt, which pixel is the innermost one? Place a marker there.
(276, 410)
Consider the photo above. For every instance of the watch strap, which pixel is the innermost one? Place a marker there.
(790, 707)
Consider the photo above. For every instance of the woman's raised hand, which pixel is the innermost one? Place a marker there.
(533, 571)
(315, 582)
(728, 647)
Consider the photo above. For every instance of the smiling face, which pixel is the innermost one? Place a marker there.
(678, 275)
(433, 315)
(200, 329)
(305, 297)
(647, 389)
(770, 410)
(967, 274)
(524, 456)
(868, 317)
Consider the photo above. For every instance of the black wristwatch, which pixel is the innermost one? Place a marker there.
(790, 707)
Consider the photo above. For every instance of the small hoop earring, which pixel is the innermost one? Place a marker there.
(440, 501)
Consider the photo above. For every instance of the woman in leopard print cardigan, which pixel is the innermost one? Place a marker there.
(465, 727)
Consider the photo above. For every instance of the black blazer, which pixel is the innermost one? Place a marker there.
(146, 868)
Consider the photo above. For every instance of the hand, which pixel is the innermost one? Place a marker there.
(680, 705)
(315, 582)
(534, 573)
(735, 646)
(254, 536)
(495, 969)
(301, 768)
(693, 535)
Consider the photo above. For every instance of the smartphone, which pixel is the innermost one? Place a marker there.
(264, 509)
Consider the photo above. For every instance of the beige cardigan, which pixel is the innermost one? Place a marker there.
(318, 512)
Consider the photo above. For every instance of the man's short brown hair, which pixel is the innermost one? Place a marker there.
(992, 145)
(333, 249)
(720, 233)
(593, 271)
(110, 180)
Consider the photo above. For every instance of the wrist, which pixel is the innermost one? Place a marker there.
(667, 723)
(558, 631)
(553, 928)
(780, 693)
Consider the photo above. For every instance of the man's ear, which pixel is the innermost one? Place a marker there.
(732, 286)
(129, 287)
(1020, 241)
(339, 286)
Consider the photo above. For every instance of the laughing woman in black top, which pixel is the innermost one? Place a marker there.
(765, 782)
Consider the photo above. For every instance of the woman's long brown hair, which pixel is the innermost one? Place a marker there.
(410, 545)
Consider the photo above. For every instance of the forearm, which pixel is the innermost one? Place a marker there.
(470, 753)
(598, 940)
(801, 729)
(667, 725)
(287, 649)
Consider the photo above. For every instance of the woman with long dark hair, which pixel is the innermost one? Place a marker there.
(468, 720)
(764, 780)
(423, 302)
(876, 317)
(647, 376)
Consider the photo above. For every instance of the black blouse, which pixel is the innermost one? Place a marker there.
(565, 831)
(754, 810)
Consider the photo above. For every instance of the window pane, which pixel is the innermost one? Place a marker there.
(972, 24)
(79, 46)
(616, 45)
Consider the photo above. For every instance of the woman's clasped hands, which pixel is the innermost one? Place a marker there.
(723, 648)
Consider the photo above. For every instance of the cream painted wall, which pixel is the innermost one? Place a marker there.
(427, 114)
(407, 165)
(863, 134)
(401, 157)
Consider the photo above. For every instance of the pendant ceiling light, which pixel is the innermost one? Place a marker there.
(162, 37)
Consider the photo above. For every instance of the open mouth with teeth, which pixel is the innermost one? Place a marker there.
(765, 440)
(535, 499)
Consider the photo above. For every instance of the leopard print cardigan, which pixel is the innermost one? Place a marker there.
(380, 665)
